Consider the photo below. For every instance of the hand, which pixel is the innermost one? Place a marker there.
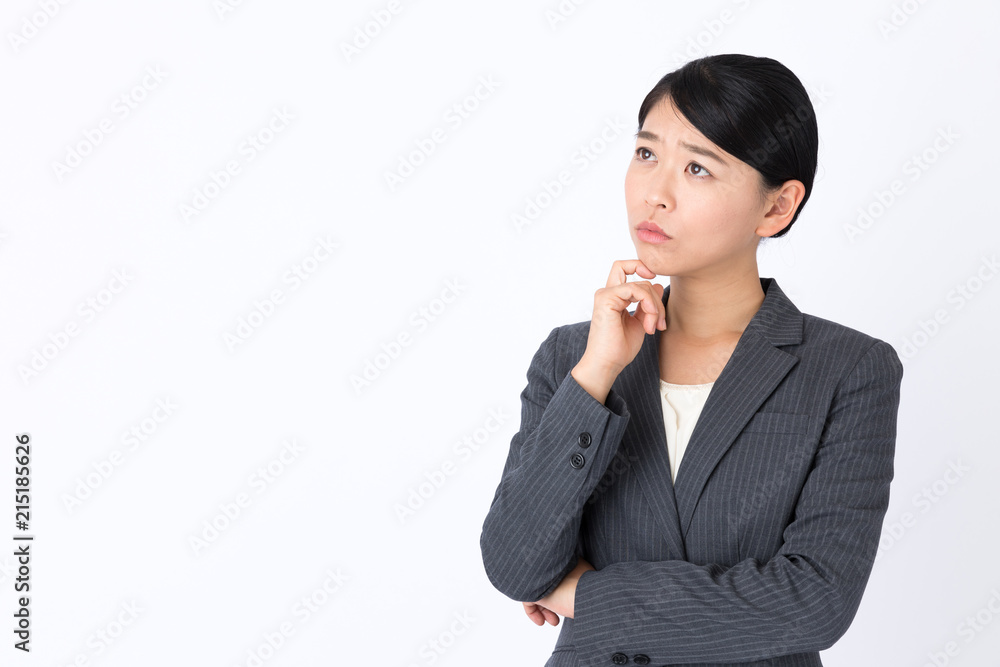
(540, 615)
(616, 335)
(559, 601)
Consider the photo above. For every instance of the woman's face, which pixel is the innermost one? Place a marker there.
(709, 205)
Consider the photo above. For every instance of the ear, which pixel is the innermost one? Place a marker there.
(782, 205)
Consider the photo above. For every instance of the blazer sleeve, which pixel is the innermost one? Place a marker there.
(801, 600)
(566, 441)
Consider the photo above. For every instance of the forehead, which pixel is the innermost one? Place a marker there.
(667, 125)
(666, 120)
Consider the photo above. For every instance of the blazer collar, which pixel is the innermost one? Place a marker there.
(752, 372)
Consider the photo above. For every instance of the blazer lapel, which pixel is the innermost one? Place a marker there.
(748, 378)
(645, 440)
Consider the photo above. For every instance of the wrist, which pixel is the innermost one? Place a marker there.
(595, 378)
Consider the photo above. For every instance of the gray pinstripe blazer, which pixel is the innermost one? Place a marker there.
(759, 553)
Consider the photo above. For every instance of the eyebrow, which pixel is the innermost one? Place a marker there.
(649, 136)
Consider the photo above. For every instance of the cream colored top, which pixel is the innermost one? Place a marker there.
(682, 403)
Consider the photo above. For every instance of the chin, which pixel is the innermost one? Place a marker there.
(648, 257)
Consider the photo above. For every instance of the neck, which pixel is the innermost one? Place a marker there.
(707, 311)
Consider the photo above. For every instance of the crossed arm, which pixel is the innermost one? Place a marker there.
(801, 600)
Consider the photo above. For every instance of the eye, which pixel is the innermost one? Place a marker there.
(703, 173)
(643, 154)
(639, 152)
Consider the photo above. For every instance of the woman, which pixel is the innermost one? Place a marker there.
(702, 481)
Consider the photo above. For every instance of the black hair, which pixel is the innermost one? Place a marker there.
(753, 108)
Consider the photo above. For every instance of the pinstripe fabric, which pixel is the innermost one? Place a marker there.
(760, 551)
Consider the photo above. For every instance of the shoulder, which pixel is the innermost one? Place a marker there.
(840, 349)
(819, 331)
(570, 340)
(561, 349)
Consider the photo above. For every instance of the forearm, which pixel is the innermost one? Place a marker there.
(530, 533)
(678, 612)
(801, 599)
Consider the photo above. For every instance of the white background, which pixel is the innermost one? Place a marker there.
(443, 243)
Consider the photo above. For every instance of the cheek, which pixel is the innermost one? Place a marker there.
(630, 179)
(718, 210)
(632, 191)
(710, 212)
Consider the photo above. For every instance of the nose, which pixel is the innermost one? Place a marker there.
(660, 192)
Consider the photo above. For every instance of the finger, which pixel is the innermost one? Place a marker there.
(652, 306)
(550, 616)
(642, 316)
(534, 613)
(650, 310)
(621, 269)
(661, 307)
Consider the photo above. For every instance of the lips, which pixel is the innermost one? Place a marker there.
(651, 226)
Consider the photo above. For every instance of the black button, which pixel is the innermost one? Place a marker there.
(619, 659)
(641, 659)
(577, 460)
(585, 439)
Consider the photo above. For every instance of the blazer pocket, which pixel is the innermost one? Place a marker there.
(778, 422)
